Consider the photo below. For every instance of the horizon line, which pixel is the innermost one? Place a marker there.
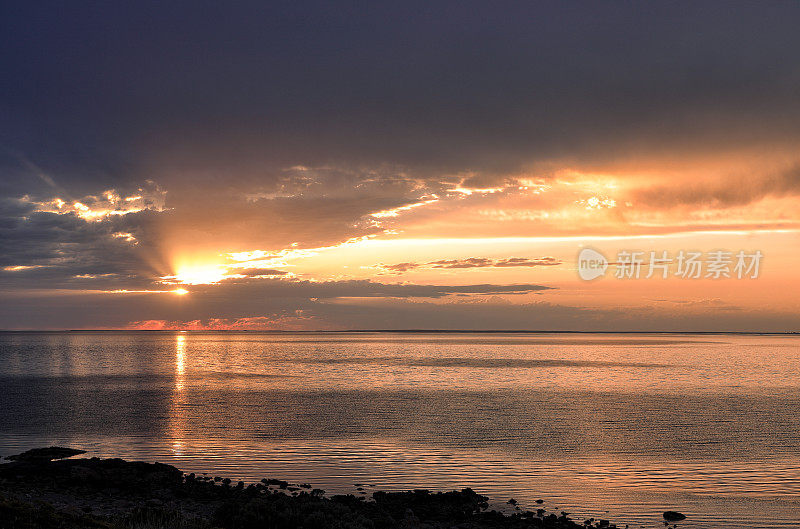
(400, 331)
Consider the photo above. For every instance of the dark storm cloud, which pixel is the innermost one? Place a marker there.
(195, 91)
(215, 101)
(53, 249)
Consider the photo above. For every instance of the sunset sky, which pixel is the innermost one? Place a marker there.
(326, 166)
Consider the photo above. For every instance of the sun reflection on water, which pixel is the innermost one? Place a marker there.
(177, 414)
(180, 359)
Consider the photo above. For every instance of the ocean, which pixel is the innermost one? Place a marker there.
(614, 426)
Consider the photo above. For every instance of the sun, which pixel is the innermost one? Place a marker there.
(180, 291)
(199, 275)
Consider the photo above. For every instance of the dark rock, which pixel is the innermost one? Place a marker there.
(46, 454)
(83, 473)
(279, 482)
(104, 473)
(674, 516)
(135, 494)
(450, 506)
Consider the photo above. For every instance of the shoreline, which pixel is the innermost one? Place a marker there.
(41, 488)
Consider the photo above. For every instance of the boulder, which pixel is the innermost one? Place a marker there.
(674, 516)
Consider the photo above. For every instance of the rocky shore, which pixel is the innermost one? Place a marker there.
(40, 489)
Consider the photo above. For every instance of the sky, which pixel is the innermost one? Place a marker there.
(405, 165)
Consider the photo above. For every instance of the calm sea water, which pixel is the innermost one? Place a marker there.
(613, 426)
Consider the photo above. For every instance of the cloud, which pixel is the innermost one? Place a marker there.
(399, 267)
(109, 203)
(244, 289)
(471, 262)
(725, 192)
(287, 321)
(229, 301)
(711, 303)
(54, 248)
(257, 272)
(524, 261)
(390, 314)
(466, 88)
(468, 100)
(305, 125)
(275, 304)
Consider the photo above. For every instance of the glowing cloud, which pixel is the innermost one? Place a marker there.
(394, 212)
(94, 208)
